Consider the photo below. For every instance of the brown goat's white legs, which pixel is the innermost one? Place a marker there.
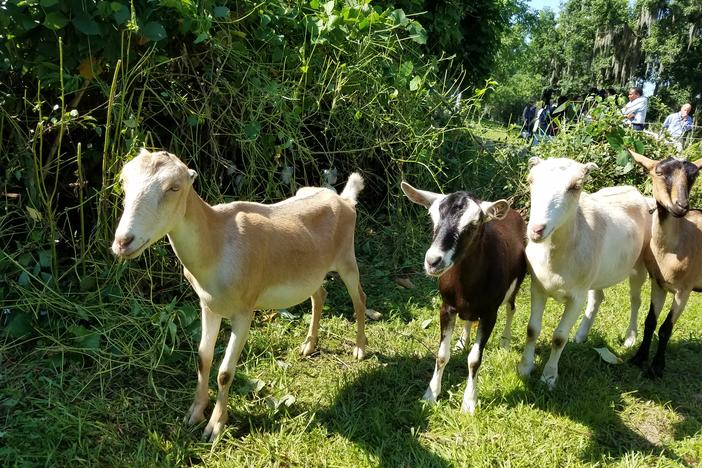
(241, 322)
(349, 276)
(310, 343)
(594, 299)
(538, 303)
(447, 320)
(464, 339)
(506, 338)
(636, 282)
(470, 396)
(573, 307)
(210, 328)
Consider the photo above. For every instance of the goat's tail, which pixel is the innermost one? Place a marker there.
(353, 186)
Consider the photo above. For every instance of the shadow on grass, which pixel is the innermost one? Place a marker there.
(594, 394)
(386, 425)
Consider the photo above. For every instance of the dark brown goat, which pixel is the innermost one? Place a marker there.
(478, 254)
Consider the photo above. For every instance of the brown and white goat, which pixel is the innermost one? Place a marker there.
(675, 262)
(478, 254)
(241, 256)
(579, 244)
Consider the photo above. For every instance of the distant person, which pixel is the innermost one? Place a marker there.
(528, 116)
(635, 110)
(678, 123)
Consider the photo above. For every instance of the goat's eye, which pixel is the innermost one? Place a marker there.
(574, 187)
(175, 188)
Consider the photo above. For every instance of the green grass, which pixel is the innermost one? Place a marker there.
(64, 408)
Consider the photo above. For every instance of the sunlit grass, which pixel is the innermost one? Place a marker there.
(65, 408)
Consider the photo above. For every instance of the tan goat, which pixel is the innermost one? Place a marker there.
(675, 261)
(241, 256)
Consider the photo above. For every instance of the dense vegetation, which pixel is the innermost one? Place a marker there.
(97, 356)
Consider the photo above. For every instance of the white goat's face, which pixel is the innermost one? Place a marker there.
(556, 185)
(156, 187)
(458, 219)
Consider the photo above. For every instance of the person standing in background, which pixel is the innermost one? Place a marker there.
(678, 123)
(635, 110)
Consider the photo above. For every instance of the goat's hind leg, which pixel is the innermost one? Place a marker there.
(657, 300)
(349, 275)
(475, 357)
(636, 281)
(210, 328)
(594, 299)
(310, 343)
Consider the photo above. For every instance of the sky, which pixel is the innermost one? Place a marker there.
(541, 4)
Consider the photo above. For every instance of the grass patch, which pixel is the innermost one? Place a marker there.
(61, 408)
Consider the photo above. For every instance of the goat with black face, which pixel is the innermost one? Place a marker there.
(478, 254)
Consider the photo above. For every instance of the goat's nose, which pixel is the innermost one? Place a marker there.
(124, 241)
(682, 204)
(433, 260)
(538, 229)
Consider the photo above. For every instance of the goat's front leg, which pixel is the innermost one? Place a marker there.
(594, 299)
(470, 396)
(241, 322)
(310, 343)
(679, 302)
(538, 303)
(210, 328)
(447, 320)
(658, 295)
(574, 305)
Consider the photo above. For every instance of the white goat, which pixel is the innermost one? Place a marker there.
(580, 242)
(241, 256)
(675, 263)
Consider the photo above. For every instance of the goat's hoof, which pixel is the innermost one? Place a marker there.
(212, 431)
(359, 353)
(308, 346)
(429, 397)
(580, 338)
(549, 380)
(630, 341)
(654, 371)
(468, 406)
(638, 360)
(194, 416)
(525, 369)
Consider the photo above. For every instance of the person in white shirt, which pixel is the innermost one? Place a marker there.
(635, 110)
(678, 123)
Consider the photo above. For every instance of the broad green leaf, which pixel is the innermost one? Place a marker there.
(84, 23)
(608, 356)
(154, 30)
(55, 20)
(20, 325)
(252, 130)
(221, 12)
(121, 12)
(329, 7)
(416, 83)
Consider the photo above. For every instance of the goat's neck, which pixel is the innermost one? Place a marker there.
(193, 237)
(666, 228)
(564, 236)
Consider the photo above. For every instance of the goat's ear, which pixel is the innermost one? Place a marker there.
(420, 197)
(143, 152)
(591, 166)
(495, 210)
(648, 164)
(192, 174)
(534, 160)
